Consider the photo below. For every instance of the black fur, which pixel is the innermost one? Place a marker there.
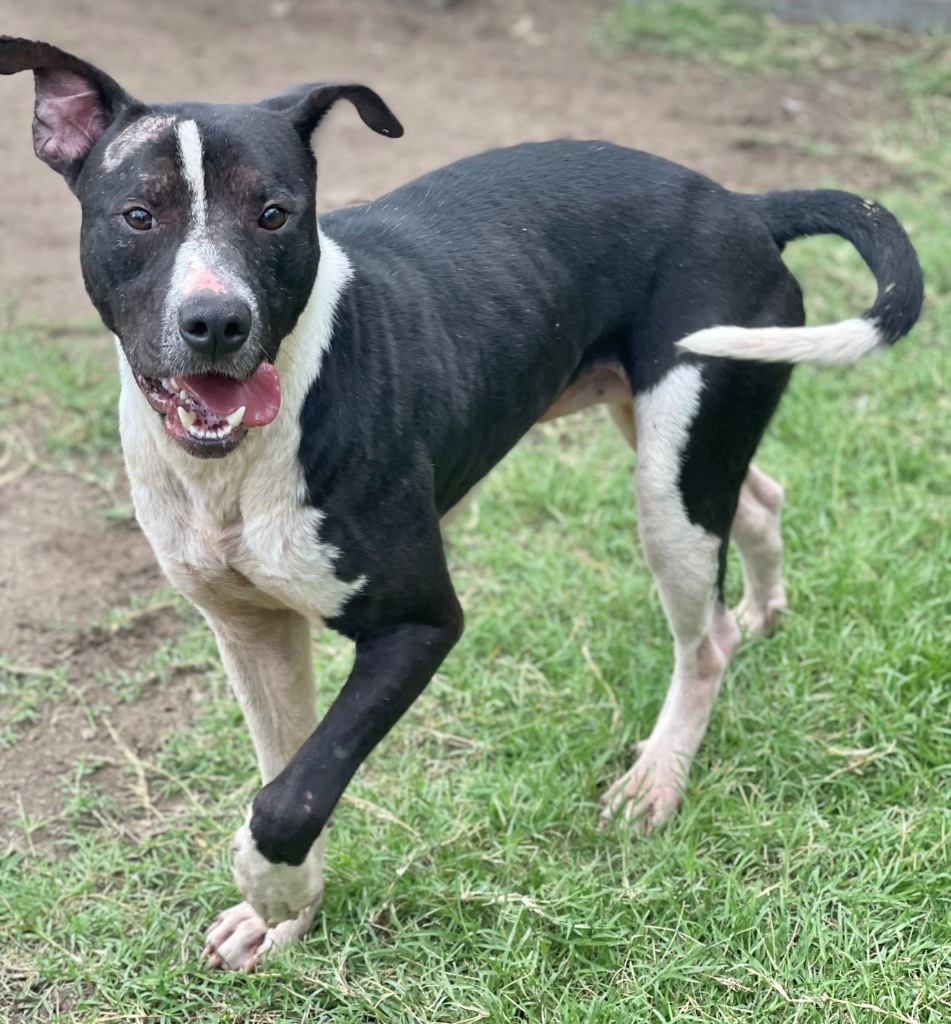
(879, 238)
(481, 292)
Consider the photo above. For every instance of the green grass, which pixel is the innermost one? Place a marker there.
(63, 378)
(808, 876)
(739, 38)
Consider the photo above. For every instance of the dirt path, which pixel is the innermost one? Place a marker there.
(487, 73)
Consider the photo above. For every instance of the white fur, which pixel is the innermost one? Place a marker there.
(146, 129)
(277, 892)
(683, 558)
(193, 164)
(663, 417)
(217, 523)
(844, 342)
(267, 655)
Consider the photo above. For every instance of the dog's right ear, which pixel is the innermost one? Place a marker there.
(75, 102)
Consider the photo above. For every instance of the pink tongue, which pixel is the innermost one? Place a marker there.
(260, 394)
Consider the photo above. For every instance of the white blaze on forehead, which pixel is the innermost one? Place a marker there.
(200, 264)
(146, 129)
(190, 149)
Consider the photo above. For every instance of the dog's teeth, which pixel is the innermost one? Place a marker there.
(236, 417)
(187, 418)
(225, 430)
(183, 395)
(172, 383)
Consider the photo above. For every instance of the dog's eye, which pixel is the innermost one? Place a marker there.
(274, 217)
(138, 218)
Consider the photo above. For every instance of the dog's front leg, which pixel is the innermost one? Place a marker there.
(273, 849)
(267, 656)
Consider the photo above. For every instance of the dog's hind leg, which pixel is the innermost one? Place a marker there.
(755, 532)
(757, 535)
(696, 432)
(267, 656)
(685, 559)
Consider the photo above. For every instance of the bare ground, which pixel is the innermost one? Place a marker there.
(483, 74)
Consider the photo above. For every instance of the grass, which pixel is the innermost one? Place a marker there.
(808, 877)
(737, 38)
(64, 378)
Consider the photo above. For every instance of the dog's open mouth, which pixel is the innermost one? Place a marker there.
(209, 414)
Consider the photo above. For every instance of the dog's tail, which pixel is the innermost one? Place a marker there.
(881, 242)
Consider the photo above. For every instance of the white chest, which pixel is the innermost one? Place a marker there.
(237, 529)
(240, 528)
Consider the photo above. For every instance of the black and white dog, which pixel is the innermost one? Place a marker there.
(303, 402)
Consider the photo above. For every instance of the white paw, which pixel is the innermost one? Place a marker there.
(238, 940)
(762, 619)
(277, 892)
(648, 794)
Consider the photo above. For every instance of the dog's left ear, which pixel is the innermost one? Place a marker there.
(75, 102)
(307, 104)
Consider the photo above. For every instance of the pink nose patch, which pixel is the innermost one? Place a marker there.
(200, 279)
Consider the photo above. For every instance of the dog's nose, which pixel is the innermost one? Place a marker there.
(214, 325)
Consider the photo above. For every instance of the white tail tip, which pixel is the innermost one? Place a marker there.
(844, 342)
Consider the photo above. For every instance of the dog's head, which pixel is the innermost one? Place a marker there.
(199, 232)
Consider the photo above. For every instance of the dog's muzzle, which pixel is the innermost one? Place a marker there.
(209, 414)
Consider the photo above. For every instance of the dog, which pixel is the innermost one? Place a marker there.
(303, 401)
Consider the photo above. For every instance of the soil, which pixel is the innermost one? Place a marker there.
(462, 78)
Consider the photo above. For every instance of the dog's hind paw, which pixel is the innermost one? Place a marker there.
(647, 795)
(762, 619)
(239, 940)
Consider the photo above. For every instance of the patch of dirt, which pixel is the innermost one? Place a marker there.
(64, 568)
(480, 74)
(92, 724)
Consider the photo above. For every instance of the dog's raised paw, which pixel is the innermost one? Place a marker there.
(277, 892)
(239, 940)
